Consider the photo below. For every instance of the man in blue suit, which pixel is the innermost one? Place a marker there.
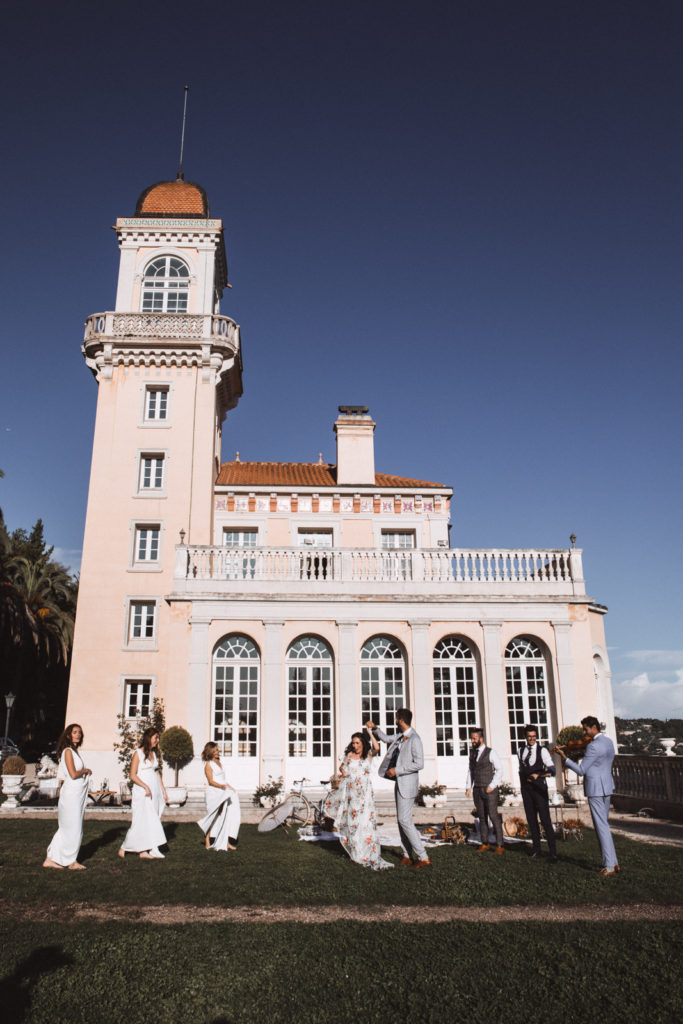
(598, 786)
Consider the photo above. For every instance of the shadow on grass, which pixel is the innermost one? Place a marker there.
(170, 829)
(111, 837)
(15, 990)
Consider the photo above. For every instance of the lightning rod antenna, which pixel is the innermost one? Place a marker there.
(182, 136)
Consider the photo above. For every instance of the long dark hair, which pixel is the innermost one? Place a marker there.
(65, 739)
(146, 742)
(364, 740)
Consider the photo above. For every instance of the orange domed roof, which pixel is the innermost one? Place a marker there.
(173, 199)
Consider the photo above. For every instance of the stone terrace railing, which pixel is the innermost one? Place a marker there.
(550, 571)
(159, 325)
(649, 779)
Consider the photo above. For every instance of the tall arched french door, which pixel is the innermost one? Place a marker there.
(310, 710)
(235, 708)
(456, 707)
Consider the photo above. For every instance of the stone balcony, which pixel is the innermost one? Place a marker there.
(209, 342)
(160, 327)
(434, 572)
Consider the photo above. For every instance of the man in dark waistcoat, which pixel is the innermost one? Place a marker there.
(535, 765)
(483, 778)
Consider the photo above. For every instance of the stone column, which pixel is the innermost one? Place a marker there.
(347, 686)
(423, 697)
(198, 694)
(495, 692)
(273, 734)
(568, 710)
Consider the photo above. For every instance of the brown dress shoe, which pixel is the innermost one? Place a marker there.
(606, 872)
(484, 846)
(422, 864)
(617, 869)
(405, 862)
(499, 850)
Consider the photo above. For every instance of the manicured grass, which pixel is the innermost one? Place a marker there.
(341, 972)
(278, 869)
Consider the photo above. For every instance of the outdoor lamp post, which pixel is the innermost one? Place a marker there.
(9, 701)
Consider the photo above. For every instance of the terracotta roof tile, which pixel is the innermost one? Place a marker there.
(302, 474)
(173, 198)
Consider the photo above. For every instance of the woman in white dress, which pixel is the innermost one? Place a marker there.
(221, 823)
(353, 805)
(146, 833)
(63, 850)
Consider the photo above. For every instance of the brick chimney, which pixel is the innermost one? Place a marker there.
(354, 428)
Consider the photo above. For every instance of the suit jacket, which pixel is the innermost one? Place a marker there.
(410, 760)
(596, 767)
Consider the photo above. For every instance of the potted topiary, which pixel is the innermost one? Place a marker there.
(574, 743)
(176, 746)
(268, 793)
(13, 769)
(432, 796)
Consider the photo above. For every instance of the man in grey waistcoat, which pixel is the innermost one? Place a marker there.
(483, 778)
(402, 762)
(598, 786)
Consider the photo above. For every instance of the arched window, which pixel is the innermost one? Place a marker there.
(309, 696)
(382, 681)
(165, 286)
(525, 676)
(236, 664)
(455, 696)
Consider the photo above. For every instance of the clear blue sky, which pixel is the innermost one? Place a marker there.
(464, 215)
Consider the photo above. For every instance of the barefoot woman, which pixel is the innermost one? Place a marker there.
(63, 850)
(222, 821)
(146, 833)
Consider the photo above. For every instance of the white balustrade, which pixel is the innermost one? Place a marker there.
(495, 566)
(160, 325)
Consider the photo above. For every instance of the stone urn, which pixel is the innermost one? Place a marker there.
(669, 743)
(177, 795)
(11, 787)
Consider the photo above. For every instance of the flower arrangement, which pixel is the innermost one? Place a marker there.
(271, 789)
(429, 791)
(504, 790)
(14, 765)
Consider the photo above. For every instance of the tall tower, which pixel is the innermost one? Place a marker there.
(168, 368)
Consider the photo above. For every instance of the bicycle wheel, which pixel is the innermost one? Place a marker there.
(300, 813)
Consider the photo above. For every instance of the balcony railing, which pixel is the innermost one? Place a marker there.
(549, 571)
(160, 325)
(649, 779)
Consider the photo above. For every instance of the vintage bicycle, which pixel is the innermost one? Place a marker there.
(297, 811)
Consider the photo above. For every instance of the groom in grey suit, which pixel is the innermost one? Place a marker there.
(598, 785)
(402, 762)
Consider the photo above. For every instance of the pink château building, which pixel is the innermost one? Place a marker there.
(275, 606)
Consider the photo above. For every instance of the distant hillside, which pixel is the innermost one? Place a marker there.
(642, 735)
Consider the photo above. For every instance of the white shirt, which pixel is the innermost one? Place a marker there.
(545, 755)
(497, 768)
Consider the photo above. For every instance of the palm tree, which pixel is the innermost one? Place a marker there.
(48, 595)
(37, 611)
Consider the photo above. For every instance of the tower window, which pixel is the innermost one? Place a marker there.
(147, 543)
(137, 697)
(165, 286)
(141, 620)
(151, 472)
(156, 403)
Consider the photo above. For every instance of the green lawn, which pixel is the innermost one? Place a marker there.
(333, 973)
(341, 972)
(277, 868)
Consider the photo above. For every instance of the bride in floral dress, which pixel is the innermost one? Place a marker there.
(353, 805)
